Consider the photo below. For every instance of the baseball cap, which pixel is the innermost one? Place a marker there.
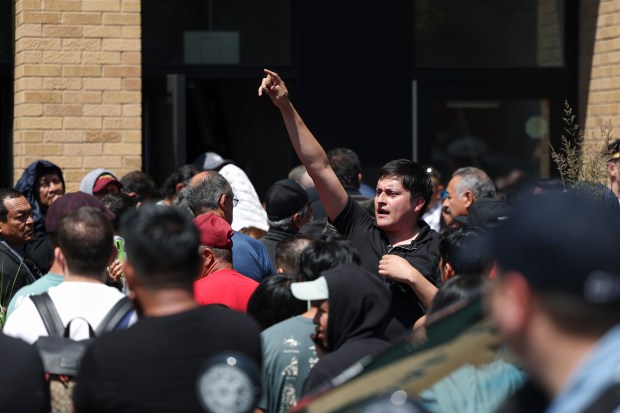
(105, 179)
(311, 290)
(72, 202)
(562, 242)
(486, 213)
(285, 198)
(214, 231)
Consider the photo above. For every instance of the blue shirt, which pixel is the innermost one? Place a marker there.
(599, 370)
(250, 257)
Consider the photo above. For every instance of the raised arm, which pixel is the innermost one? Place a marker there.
(308, 149)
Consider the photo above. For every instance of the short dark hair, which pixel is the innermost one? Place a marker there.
(346, 165)
(181, 175)
(7, 193)
(325, 253)
(119, 203)
(86, 240)
(205, 197)
(463, 250)
(273, 301)
(162, 246)
(140, 183)
(413, 178)
(221, 254)
(288, 251)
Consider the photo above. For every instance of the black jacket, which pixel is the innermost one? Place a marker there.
(14, 274)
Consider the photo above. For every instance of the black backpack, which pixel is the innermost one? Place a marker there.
(61, 355)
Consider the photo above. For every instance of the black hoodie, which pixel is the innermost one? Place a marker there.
(359, 308)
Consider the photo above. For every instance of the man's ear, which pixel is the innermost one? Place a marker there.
(515, 297)
(469, 198)
(178, 187)
(418, 204)
(207, 259)
(612, 167)
(447, 271)
(59, 257)
(130, 275)
(222, 202)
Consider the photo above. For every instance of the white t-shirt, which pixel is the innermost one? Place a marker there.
(73, 300)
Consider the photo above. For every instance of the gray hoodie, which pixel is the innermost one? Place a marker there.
(88, 182)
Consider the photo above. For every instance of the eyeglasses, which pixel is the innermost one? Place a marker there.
(235, 202)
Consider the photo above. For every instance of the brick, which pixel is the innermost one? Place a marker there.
(59, 83)
(102, 31)
(122, 123)
(31, 70)
(122, 71)
(132, 136)
(66, 162)
(82, 18)
(81, 122)
(81, 70)
(121, 97)
(61, 57)
(28, 83)
(42, 97)
(121, 19)
(28, 136)
(63, 110)
(101, 5)
(132, 58)
(111, 58)
(33, 109)
(22, 5)
(132, 162)
(73, 177)
(81, 44)
(43, 149)
(62, 5)
(110, 162)
(30, 17)
(121, 45)
(63, 136)
(102, 84)
(132, 84)
(103, 136)
(81, 97)
(28, 30)
(27, 56)
(122, 148)
(132, 110)
(50, 30)
(102, 110)
(130, 6)
(30, 43)
(131, 32)
(77, 149)
(38, 123)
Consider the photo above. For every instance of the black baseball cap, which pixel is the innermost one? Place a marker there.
(562, 242)
(285, 198)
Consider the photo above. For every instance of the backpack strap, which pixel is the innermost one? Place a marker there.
(49, 314)
(607, 402)
(116, 314)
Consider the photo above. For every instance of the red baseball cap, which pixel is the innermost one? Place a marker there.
(214, 231)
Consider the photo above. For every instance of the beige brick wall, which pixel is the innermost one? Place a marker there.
(78, 86)
(599, 65)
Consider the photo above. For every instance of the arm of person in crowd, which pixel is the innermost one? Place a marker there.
(398, 269)
(308, 149)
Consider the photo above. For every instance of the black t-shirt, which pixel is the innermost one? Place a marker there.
(22, 382)
(371, 244)
(153, 366)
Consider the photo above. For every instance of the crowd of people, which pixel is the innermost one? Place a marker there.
(168, 288)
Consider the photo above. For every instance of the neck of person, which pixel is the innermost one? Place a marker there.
(404, 236)
(164, 302)
(94, 278)
(614, 185)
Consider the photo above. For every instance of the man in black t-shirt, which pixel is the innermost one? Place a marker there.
(156, 364)
(397, 245)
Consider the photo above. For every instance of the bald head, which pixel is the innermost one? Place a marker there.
(199, 177)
